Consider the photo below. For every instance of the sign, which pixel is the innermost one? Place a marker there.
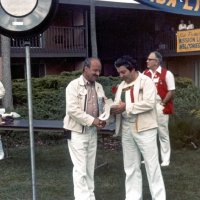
(15, 8)
(188, 40)
(22, 18)
(184, 7)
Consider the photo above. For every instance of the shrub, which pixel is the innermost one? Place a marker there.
(184, 124)
(49, 103)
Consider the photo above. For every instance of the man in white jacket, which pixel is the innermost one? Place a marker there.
(136, 122)
(84, 103)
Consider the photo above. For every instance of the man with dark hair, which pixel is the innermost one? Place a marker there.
(136, 122)
(84, 102)
(165, 84)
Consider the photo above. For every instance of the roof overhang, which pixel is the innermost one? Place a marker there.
(108, 4)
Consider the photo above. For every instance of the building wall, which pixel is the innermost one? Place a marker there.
(57, 66)
(119, 32)
(187, 66)
(182, 66)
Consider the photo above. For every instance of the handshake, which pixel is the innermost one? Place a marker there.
(112, 108)
(99, 123)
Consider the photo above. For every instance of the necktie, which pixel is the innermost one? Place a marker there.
(131, 95)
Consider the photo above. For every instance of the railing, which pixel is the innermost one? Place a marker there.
(70, 39)
(73, 40)
(166, 41)
(35, 42)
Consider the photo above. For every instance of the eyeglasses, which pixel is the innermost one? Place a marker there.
(151, 59)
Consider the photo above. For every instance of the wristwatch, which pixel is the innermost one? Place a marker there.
(163, 104)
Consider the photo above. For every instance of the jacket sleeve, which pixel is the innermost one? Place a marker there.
(146, 99)
(2, 90)
(73, 106)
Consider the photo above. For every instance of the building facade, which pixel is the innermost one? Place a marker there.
(121, 29)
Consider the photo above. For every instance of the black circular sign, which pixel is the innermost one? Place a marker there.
(22, 18)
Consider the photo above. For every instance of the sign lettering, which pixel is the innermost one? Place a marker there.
(185, 7)
(188, 40)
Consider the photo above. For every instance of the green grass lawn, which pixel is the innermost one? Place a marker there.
(54, 177)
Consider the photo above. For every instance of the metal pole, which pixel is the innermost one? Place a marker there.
(30, 112)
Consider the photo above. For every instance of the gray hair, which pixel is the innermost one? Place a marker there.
(87, 62)
(158, 56)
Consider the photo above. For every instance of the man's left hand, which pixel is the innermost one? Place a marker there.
(119, 108)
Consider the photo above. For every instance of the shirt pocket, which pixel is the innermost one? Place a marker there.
(82, 97)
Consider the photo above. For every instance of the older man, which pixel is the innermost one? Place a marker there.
(136, 121)
(165, 84)
(84, 100)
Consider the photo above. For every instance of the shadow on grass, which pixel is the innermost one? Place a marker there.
(54, 175)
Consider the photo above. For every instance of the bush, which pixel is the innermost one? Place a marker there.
(183, 82)
(184, 124)
(48, 94)
(49, 103)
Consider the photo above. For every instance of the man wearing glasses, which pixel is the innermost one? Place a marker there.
(165, 84)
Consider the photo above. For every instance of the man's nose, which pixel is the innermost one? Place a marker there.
(98, 73)
(121, 75)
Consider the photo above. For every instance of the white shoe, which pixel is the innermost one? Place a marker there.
(142, 162)
(1, 150)
(2, 156)
(165, 164)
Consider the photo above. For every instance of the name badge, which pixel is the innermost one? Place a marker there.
(155, 80)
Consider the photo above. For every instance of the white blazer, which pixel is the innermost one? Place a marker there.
(144, 106)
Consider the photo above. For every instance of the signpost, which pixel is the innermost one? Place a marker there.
(23, 19)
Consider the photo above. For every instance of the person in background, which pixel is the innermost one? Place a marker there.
(2, 93)
(136, 122)
(182, 26)
(165, 84)
(84, 101)
(190, 25)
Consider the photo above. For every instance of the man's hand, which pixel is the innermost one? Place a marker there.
(118, 109)
(99, 123)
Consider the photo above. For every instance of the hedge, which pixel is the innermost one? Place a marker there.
(49, 103)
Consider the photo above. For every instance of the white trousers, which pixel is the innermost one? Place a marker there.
(82, 149)
(1, 149)
(163, 134)
(134, 144)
